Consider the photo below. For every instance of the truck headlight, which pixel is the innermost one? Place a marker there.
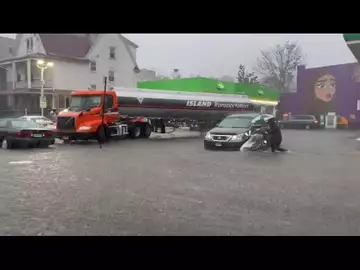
(208, 136)
(83, 128)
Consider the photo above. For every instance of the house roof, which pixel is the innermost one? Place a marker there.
(67, 45)
(71, 46)
(129, 42)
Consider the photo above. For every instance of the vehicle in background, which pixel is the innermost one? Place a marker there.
(235, 130)
(300, 122)
(15, 132)
(137, 113)
(41, 120)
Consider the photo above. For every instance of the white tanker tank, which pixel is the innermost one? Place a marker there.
(176, 104)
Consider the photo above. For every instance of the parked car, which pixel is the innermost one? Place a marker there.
(41, 120)
(300, 122)
(234, 130)
(18, 132)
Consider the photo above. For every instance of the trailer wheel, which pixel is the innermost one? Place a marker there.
(146, 131)
(135, 131)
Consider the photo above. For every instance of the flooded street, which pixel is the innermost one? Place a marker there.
(175, 187)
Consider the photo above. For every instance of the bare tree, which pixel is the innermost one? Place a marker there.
(246, 77)
(278, 65)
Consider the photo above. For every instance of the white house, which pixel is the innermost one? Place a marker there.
(80, 62)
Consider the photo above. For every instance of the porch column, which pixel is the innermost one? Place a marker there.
(14, 75)
(53, 106)
(10, 101)
(28, 70)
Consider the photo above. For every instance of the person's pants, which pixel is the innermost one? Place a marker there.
(276, 147)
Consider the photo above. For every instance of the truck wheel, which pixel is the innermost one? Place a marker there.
(135, 131)
(146, 131)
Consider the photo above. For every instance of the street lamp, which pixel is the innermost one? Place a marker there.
(42, 65)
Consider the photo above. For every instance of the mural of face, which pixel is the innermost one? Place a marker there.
(325, 87)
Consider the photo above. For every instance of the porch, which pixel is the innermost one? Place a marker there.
(29, 102)
(23, 74)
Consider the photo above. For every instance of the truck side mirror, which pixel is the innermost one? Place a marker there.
(95, 110)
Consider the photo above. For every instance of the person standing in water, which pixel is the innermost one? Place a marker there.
(275, 136)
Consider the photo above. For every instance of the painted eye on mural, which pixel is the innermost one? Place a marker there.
(320, 85)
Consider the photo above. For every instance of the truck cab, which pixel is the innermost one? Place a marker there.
(84, 118)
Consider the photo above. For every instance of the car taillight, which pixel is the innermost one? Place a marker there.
(48, 133)
(316, 121)
(24, 134)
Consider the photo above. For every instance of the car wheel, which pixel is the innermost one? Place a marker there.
(307, 126)
(5, 144)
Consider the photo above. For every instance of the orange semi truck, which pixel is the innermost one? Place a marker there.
(136, 113)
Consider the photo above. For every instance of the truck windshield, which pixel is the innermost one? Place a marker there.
(81, 103)
(235, 122)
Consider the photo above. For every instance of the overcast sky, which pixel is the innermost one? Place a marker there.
(220, 54)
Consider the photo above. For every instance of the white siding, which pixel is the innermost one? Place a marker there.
(72, 75)
(123, 66)
(37, 45)
(133, 51)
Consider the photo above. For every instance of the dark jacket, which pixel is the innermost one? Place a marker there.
(275, 136)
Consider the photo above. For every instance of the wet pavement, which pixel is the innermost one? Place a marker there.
(175, 187)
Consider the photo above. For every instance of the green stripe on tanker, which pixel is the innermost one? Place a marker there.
(207, 85)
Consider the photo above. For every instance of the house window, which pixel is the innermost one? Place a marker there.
(93, 66)
(111, 76)
(29, 44)
(112, 53)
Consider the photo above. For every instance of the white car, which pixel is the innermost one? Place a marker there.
(41, 120)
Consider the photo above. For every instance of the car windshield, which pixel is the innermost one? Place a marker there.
(235, 122)
(81, 103)
(23, 124)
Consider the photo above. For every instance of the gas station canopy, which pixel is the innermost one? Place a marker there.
(353, 42)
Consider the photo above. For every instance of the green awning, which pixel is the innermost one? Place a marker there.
(351, 37)
(353, 43)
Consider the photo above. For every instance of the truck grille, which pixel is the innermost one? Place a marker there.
(65, 123)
